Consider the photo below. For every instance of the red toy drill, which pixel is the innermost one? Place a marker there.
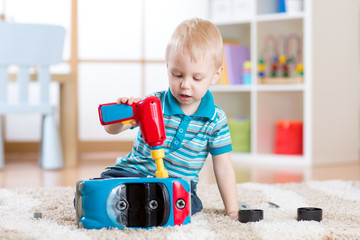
(149, 115)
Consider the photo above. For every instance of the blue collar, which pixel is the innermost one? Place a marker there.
(206, 108)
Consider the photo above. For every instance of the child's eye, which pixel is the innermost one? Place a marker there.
(197, 78)
(177, 75)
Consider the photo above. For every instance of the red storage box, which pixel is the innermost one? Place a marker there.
(289, 137)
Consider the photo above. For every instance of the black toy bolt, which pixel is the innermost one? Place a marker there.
(250, 215)
(309, 214)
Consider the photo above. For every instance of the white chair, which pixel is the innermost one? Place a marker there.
(38, 46)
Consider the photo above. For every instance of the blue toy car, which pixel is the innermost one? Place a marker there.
(132, 202)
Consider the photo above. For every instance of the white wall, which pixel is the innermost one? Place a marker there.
(336, 58)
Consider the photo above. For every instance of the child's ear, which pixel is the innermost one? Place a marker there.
(217, 75)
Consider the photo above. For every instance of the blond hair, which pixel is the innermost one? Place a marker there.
(199, 39)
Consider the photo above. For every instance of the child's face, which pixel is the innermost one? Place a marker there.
(189, 80)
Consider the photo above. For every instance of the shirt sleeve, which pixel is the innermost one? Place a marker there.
(220, 141)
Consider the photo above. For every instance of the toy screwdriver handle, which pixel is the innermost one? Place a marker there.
(158, 155)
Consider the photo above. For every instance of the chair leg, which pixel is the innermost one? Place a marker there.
(51, 152)
(2, 154)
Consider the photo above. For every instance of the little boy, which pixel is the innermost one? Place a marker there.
(194, 126)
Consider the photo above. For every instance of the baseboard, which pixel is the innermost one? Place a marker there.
(21, 147)
(83, 146)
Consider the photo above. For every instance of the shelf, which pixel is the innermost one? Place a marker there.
(231, 88)
(279, 16)
(232, 22)
(264, 102)
(270, 159)
(280, 87)
(262, 18)
(257, 87)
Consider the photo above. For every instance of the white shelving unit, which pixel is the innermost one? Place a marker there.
(264, 104)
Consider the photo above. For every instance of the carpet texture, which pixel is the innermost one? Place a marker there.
(340, 201)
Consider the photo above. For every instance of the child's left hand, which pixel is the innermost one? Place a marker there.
(233, 215)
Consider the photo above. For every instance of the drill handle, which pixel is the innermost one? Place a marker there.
(110, 113)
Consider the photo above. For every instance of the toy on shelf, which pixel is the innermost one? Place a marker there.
(135, 202)
(283, 58)
(247, 73)
(284, 65)
(235, 55)
(261, 68)
(271, 54)
(295, 58)
(149, 115)
(240, 134)
(300, 69)
(289, 137)
(274, 66)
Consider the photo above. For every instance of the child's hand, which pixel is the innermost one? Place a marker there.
(233, 215)
(129, 101)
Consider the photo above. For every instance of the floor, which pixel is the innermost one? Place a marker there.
(23, 170)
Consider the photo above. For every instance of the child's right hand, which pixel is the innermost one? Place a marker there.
(129, 101)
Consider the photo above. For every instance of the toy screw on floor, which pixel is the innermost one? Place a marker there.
(148, 114)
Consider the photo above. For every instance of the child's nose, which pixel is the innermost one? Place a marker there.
(185, 84)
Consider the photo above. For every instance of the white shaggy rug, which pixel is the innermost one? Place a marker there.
(340, 201)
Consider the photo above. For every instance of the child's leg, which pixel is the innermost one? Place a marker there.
(196, 204)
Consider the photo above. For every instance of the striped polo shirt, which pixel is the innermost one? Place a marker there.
(189, 140)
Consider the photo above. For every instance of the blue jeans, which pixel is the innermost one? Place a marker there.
(196, 204)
